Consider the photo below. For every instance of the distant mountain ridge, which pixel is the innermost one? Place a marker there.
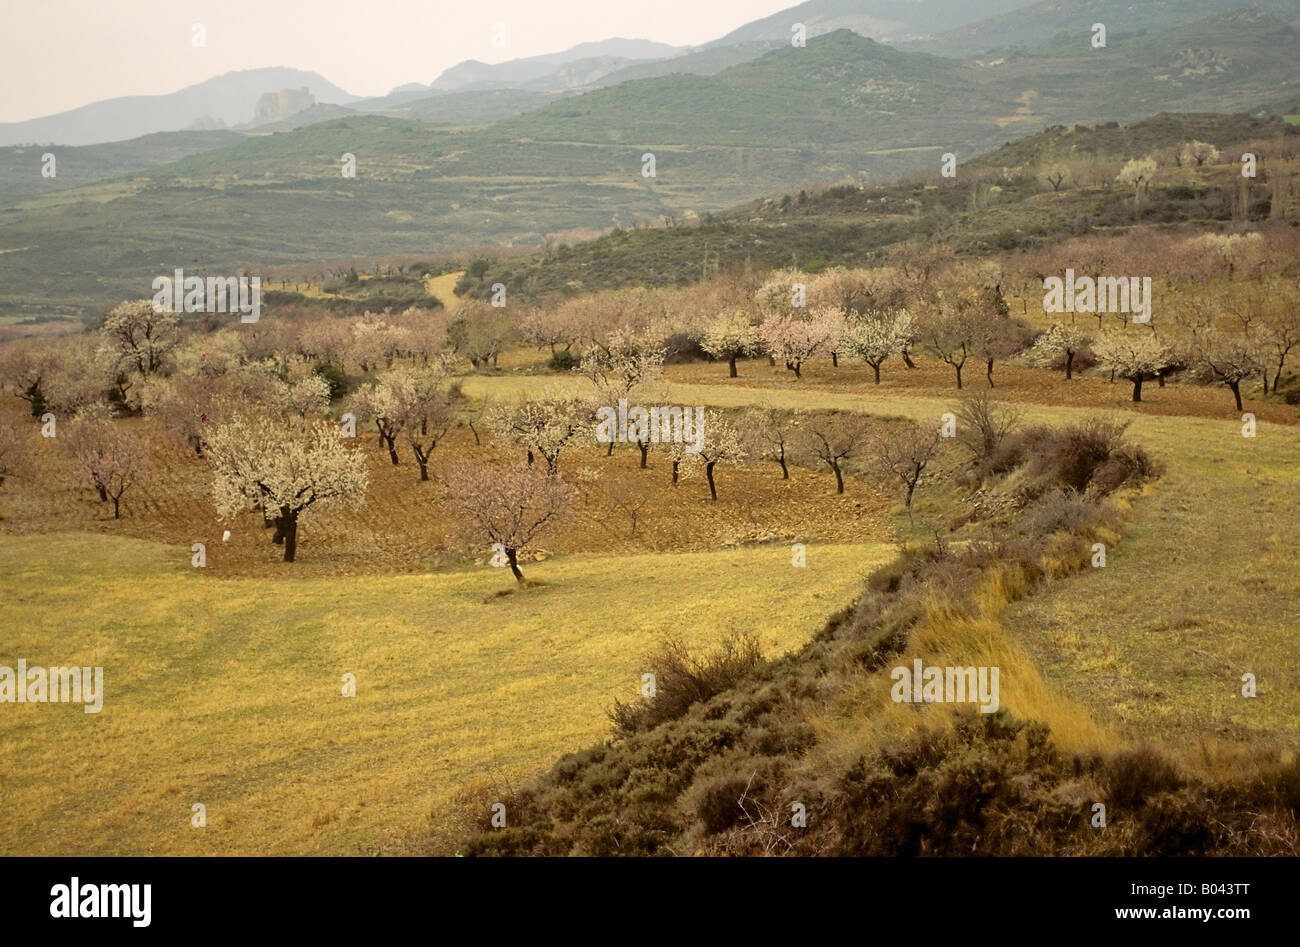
(231, 99)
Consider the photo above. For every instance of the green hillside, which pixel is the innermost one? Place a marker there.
(843, 109)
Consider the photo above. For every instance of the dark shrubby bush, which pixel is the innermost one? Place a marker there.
(561, 361)
(683, 680)
(334, 377)
(682, 348)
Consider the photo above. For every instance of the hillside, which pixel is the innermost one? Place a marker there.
(843, 109)
(1070, 21)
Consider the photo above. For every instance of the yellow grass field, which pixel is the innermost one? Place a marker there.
(228, 693)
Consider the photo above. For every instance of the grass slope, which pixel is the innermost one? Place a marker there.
(227, 692)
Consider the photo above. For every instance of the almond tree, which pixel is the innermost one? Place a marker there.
(23, 366)
(1060, 341)
(387, 402)
(620, 364)
(543, 426)
(1138, 173)
(115, 459)
(904, 452)
(730, 335)
(795, 337)
(287, 471)
(135, 341)
(480, 332)
(429, 416)
(139, 337)
(719, 444)
(1228, 358)
(834, 438)
(511, 505)
(770, 435)
(1135, 356)
(876, 335)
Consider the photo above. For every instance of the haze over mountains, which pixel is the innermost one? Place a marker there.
(472, 165)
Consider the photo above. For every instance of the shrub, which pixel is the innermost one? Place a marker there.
(683, 679)
(561, 361)
(334, 377)
(1132, 777)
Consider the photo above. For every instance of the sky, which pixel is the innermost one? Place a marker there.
(59, 54)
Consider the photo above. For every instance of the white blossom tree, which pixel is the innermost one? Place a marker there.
(286, 471)
(730, 335)
(1135, 356)
(1060, 341)
(875, 336)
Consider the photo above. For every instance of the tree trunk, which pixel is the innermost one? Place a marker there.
(289, 529)
(1069, 365)
(1137, 388)
(474, 431)
(708, 472)
(645, 449)
(876, 369)
(676, 464)
(732, 363)
(117, 499)
(907, 359)
(839, 478)
(785, 471)
(513, 556)
(911, 488)
(530, 458)
(1236, 392)
(1160, 379)
(609, 450)
(797, 373)
(103, 494)
(771, 360)
(392, 450)
(958, 367)
(835, 359)
(990, 373)
(1277, 379)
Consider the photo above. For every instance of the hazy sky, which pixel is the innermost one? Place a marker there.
(58, 54)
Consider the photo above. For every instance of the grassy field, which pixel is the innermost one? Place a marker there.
(228, 692)
(1202, 590)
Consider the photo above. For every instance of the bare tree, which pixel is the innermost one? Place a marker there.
(903, 453)
(770, 434)
(115, 459)
(835, 438)
(511, 505)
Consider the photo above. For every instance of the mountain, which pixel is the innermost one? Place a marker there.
(844, 109)
(701, 62)
(891, 20)
(231, 98)
(1070, 21)
(519, 73)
